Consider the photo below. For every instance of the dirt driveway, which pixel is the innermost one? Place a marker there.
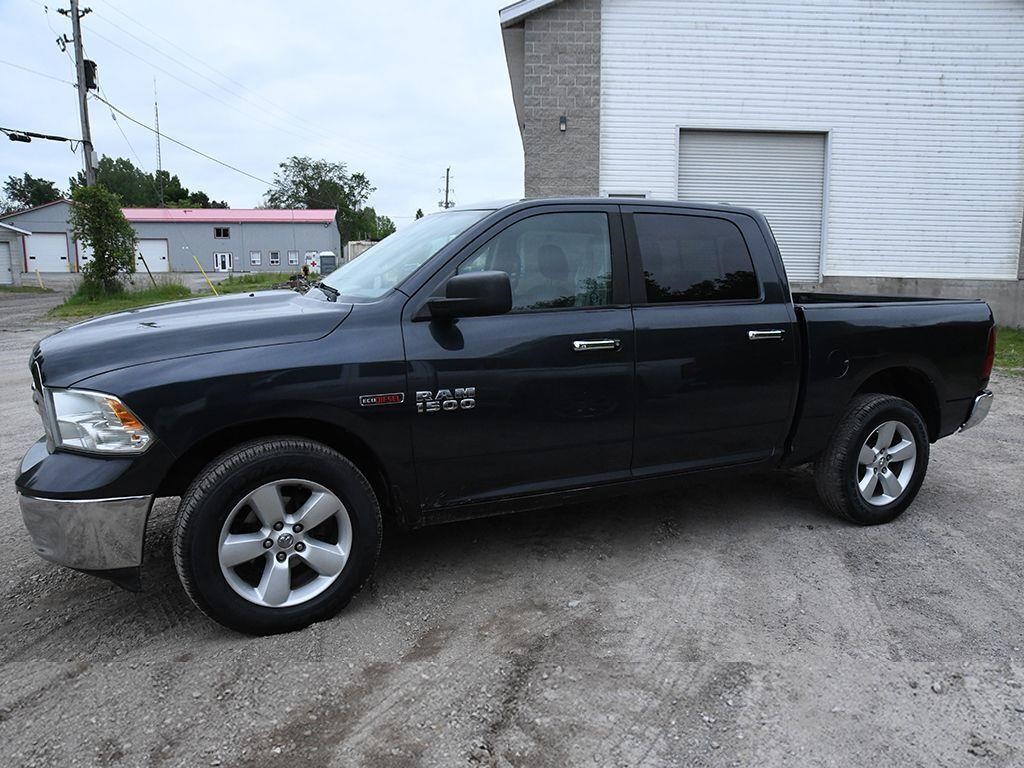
(729, 624)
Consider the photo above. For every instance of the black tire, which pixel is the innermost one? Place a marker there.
(224, 483)
(836, 471)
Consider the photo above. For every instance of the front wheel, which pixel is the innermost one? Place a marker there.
(275, 535)
(875, 462)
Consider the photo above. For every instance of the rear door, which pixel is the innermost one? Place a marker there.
(540, 398)
(717, 364)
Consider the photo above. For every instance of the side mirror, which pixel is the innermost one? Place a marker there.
(475, 294)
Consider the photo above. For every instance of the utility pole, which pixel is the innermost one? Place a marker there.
(447, 202)
(83, 89)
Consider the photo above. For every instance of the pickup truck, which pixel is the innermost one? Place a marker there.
(482, 360)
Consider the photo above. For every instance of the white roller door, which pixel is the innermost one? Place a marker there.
(155, 254)
(780, 174)
(47, 252)
(153, 251)
(6, 272)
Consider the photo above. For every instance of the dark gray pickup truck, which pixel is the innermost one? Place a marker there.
(479, 361)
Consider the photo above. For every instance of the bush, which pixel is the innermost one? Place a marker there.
(98, 223)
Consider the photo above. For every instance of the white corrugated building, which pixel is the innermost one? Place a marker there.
(884, 139)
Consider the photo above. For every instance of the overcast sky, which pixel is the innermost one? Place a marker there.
(398, 90)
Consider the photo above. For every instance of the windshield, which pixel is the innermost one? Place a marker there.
(383, 266)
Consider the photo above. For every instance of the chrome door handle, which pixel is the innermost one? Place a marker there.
(773, 335)
(595, 345)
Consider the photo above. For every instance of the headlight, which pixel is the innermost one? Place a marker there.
(93, 421)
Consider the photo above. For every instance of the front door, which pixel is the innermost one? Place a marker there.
(717, 365)
(222, 262)
(540, 398)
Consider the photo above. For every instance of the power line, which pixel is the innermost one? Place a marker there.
(302, 124)
(36, 72)
(181, 143)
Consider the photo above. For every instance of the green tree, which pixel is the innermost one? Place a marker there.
(371, 225)
(302, 182)
(138, 189)
(28, 192)
(419, 213)
(98, 223)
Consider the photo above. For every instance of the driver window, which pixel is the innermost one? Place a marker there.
(553, 260)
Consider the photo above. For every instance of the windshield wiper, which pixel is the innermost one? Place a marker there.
(331, 292)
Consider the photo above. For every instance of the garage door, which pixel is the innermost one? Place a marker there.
(6, 273)
(47, 252)
(154, 252)
(780, 174)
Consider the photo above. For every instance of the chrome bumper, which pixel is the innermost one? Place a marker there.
(979, 410)
(88, 534)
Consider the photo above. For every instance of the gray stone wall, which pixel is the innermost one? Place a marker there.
(562, 76)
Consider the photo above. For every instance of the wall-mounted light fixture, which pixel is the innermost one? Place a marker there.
(561, 123)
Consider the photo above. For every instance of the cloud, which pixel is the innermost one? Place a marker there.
(398, 90)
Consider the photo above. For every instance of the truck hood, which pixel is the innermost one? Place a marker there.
(182, 329)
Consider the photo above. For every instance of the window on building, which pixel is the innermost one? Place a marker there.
(693, 258)
(222, 233)
(255, 258)
(293, 257)
(275, 258)
(554, 261)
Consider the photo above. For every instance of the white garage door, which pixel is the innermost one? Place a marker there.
(780, 174)
(155, 254)
(6, 273)
(47, 252)
(153, 251)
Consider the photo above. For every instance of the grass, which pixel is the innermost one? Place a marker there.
(1010, 349)
(23, 289)
(81, 304)
(257, 281)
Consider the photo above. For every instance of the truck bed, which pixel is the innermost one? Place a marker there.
(805, 298)
(924, 349)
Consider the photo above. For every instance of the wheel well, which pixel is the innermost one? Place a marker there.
(914, 387)
(192, 461)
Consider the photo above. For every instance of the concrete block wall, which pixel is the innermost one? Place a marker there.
(562, 76)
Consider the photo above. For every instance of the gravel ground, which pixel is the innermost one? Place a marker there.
(721, 625)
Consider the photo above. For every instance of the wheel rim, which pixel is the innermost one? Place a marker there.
(284, 543)
(886, 463)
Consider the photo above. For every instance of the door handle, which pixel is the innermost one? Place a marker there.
(595, 345)
(773, 335)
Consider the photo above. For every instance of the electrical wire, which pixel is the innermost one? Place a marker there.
(182, 144)
(36, 72)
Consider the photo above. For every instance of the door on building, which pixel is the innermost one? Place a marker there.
(47, 252)
(6, 271)
(154, 254)
(781, 174)
(222, 262)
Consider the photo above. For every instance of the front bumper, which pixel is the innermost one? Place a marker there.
(979, 410)
(100, 536)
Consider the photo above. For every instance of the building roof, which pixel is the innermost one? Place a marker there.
(15, 229)
(230, 215)
(34, 208)
(516, 12)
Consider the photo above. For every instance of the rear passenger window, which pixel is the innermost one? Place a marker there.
(693, 258)
(553, 260)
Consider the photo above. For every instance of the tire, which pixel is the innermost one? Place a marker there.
(230, 511)
(857, 477)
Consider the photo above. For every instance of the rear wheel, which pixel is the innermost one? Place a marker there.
(875, 461)
(276, 534)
